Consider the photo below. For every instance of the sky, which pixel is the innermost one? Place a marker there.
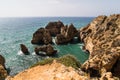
(58, 8)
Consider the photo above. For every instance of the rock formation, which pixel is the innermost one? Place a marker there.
(102, 39)
(48, 49)
(54, 71)
(3, 72)
(67, 34)
(41, 36)
(54, 27)
(24, 49)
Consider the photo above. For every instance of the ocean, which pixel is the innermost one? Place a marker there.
(14, 31)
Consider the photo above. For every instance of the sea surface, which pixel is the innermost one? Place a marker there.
(14, 31)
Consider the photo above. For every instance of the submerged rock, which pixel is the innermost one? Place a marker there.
(41, 36)
(102, 39)
(24, 49)
(48, 49)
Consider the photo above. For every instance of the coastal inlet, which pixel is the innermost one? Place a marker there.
(16, 31)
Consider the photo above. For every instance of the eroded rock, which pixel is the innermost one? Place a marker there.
(67, 34)
(48, 49)
(3, 72)
(24, 49)
(41, 36)
(102, 39)
(54, 27)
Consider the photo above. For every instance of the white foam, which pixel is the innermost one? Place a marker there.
(20, 52)
(81, 47)
(53, 40)
(33, 53)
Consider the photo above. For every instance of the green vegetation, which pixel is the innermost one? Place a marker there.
(67, 60)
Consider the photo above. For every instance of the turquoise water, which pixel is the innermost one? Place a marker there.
(14, 31)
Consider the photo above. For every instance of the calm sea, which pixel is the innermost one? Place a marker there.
(14, 31)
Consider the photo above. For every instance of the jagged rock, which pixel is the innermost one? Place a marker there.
(60, 39)
(48, 49)
(102, 39)
(116, 68)
(24, 49)
(3, 72)
(41, 36)
(108, 76)
(53, 71)
(2, 60)
(54, 27)
(67, 34)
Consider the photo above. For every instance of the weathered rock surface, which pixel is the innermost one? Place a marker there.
(67, 34)
(102, 39)
(2, 60)
(54, 71)
(108, 76)
(41, 36)
(48, 49)
(3, 72)
(54, 27)
(24, 49)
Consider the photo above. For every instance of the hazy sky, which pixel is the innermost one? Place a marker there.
(34, 8)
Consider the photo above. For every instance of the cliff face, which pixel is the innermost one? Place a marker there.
(102, 39)
(54, 71)
(3, 72)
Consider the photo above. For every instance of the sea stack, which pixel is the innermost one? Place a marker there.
(24, 49)
(48, 49)
(67, 34)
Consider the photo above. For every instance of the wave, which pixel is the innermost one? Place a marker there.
(53, 40)
(33, 53)
(20, 53)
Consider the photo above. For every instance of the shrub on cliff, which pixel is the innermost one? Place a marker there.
(67, 60)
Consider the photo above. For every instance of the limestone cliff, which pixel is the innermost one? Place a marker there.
(54, 71)
(102, 39)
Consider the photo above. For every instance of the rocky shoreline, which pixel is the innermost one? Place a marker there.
(101, 39)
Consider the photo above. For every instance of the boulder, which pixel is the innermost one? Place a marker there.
(54, 27)
(48, 49)
(67, 34)
(102, 40)
(41, 36)
(24, 49)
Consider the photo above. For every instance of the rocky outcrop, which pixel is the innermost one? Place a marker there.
(48, 49)
(108, 76)
(24, 49)
(41, 36)
(54, 71)
(102, 39)
(2, 60)
(54, 27)
(3, 72)
(67, 34)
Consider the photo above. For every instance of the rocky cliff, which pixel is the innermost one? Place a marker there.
(53, 70)
(102, 39)
(3, 72)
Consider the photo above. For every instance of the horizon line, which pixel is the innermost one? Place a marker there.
(42, 16)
